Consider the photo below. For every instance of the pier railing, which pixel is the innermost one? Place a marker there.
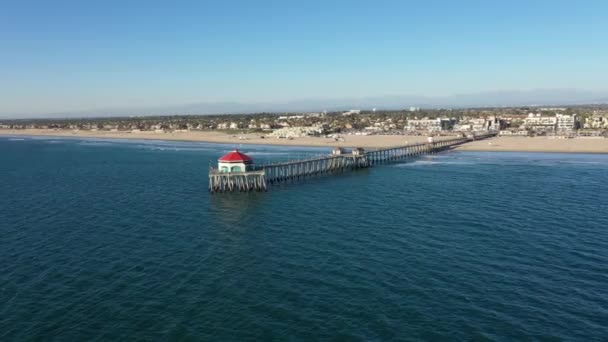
(261, 176)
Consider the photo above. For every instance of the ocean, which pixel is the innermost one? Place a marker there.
(120, 240)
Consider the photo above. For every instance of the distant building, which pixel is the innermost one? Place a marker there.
(480, 124)
(567, 122)
(289, 132)
(439, 124)
(463, 127)
(288, 117)
(597, 122)
(265, 126)
(551, 124)
(553, 109)
(539, 123)
(351, 112)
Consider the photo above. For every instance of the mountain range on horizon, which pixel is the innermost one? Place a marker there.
(537, 97)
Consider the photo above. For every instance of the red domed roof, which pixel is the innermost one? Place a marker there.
(235, 156)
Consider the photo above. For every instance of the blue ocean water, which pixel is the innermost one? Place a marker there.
(116, 240)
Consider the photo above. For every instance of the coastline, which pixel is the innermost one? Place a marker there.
(376, 141)
(497, 144)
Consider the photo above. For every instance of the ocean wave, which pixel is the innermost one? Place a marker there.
(95, 143)
(445, 243)
(260, 153)
(434, 162)
(419, 163)
(172, 148)
(581, 162)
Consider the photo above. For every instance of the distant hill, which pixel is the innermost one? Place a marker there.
(540, 97)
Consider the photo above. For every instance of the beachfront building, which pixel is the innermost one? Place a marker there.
(597, 122)
(431, 125)
(235, 161)
(265, 126)
(494, 123)
(566, 122)
(463, 126)
(479, 124)
(562, 123)
(538, 123)
(295, 132)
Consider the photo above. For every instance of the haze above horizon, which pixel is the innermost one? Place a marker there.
(73, 56)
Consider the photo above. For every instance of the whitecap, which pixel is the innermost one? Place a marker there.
(95, 143)
(255, 153)
(419, 163)
(171, 148)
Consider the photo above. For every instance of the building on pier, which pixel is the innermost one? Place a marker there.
(235, 161)
(338, 151)
(358, 151)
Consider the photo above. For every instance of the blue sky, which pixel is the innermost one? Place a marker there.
(78, 55)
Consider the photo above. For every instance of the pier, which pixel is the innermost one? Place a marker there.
(247, 177)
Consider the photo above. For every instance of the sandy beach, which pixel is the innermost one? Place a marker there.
(498, 144)
(538, 144)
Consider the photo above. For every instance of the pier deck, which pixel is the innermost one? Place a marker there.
(263, 176)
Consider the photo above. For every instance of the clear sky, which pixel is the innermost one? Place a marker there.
(75, 55)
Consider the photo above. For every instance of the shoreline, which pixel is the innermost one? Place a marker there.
(496, 144)
(465, 149)
(158, 139)
(376, 141)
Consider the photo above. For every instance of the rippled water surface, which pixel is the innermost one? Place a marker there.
(115, 240)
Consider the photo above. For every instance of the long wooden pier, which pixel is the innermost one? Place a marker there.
(261, 177)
